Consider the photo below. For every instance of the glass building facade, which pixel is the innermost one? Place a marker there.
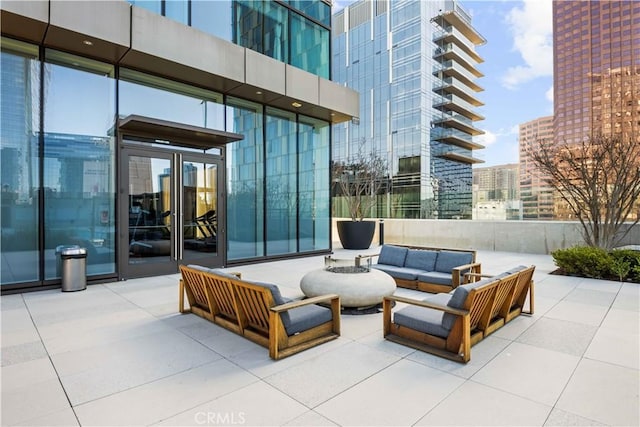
(596, 49)
(64, 145)
(415, 66)
(295, 32)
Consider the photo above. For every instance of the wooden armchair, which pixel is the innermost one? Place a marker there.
(446, 325)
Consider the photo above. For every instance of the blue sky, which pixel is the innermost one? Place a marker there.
(518, 70)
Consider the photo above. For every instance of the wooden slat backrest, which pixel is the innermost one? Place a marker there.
(504, 293)
(222, 294)
(194, 286)
(522, 287)
(477, 302)
(255, 302)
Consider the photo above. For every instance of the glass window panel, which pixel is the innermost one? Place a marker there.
(318, 10)
(152, 96)
(248, 24)
(245, 181)
(309, 46)
(79, 163)
(213, 17)
(313, 184)
(275, 31)
(281, 182)
(19, 130)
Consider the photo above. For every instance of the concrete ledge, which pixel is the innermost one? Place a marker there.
(536, 237)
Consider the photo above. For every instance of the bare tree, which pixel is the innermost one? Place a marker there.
(359, 179)
(599, 179)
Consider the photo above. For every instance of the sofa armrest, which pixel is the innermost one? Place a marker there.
(307, 301)
(474, 267)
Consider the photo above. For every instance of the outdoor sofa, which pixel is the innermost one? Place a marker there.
(447, 325)
(258, 311)
(425, 269)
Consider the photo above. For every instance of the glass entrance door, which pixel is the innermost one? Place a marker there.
(170, 208)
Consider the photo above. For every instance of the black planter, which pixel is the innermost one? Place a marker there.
(356, 234)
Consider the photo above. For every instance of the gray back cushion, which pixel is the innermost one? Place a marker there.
(448, 260)
(392, 255)
(462, 292)
(420, 259)
(278, 299)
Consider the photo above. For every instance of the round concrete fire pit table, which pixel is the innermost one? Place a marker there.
(356, 289)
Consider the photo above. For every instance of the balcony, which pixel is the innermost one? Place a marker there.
(456, 87)
(459, 122)
(452, 69)
(455, 103)
(452, 35)
(455, 137)
(462, 158)
(454, 53)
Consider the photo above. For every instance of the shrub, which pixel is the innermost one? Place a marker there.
(629, 259)
(588, 261)
(583, 261)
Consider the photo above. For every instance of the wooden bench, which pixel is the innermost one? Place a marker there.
(258, 312)
(447, 325)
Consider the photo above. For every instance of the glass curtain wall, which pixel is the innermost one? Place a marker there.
(281, 182)
(79, 160)
(159, 98)
(245, 181)
(19, 130)
(313, 184)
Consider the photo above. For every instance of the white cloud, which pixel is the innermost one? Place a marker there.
(532, 28)
(490, 138)
(487, 138)
(549, 95)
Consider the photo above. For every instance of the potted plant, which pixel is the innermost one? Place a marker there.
(357, 181)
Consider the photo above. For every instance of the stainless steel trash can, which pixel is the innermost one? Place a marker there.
(74, 269)
(59, 250)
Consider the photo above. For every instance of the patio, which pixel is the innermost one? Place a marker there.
(121, 354)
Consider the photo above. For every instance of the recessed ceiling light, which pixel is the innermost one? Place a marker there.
(296, 104)
(333, 114)
(258, 92)
(87, 42)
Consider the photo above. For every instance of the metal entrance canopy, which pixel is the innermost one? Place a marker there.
(177, 133)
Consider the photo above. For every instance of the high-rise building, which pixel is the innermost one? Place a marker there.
(596, 72)
(415, 66)
(164, 132)
(596, 69)
(498, 183)
(536, 194)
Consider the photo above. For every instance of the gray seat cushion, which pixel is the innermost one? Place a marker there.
(392, 255)
(421, 259)
(421, 319)
(398, 272)
(448, 319)
(436, 277)
(448, 260)
(305, 317)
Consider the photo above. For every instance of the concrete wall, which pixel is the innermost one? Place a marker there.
(536, 237)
